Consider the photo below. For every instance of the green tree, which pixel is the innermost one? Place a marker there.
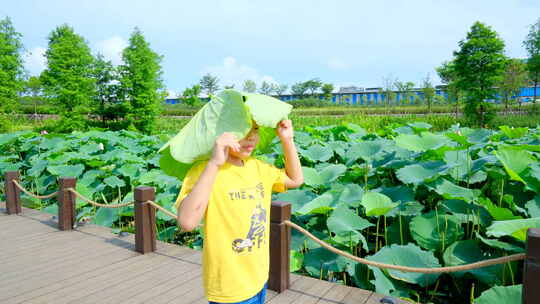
(388, 91)
(249, 86)
(190, 96)
(68, 81)
(109, 101)
(279, 89)
(35, 90)
(209, 84)
(405, 88)
(11, 66)
(142, 83)
(327, 90)
(514, 78)
(428, 91)
(532, 45)
(266, 88)
(479, 65)
(313, 85)
(299, 89)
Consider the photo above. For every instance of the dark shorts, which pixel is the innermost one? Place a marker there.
(256, 299)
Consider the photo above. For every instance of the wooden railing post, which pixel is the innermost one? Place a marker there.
(531, 268)
(145, 220)
(280, 236)
(13, 194)
(66, 203)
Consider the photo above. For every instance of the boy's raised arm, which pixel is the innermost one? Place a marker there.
(295, 177)
(192, 208)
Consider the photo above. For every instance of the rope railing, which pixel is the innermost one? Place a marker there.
(32, 194)
(485, 263)
(77, 194)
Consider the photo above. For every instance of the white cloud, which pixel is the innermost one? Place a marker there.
(232, 72)
(336, 63)
(34, 60)
(112, 48)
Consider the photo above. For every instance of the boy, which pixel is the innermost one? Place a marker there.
(233, 192)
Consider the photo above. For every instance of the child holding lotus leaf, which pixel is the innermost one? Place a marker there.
(231, 190)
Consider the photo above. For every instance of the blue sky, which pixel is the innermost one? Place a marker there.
(343, 42)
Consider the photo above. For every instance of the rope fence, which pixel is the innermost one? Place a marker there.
(145, 234)
(32, 194)
(77, 194)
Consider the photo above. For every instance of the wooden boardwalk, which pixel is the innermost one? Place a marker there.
(41, 264)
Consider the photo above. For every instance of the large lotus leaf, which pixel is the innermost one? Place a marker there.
(343, 221)
(297, 198)
(418, 173)
(533, 206)
(66, 170)
(349, 193)
(421, 143)
(114, 182)
(515, 161)
(171, 166)
(532, 177)
(366, 150)
(330, 173)
(515, 228)
(319, 259)
(408, 255)
(500, 245)
(265, 110)
(450, 190)
(512, 132)
(105, 216)
(296, 260)
(467, 212)
(460, 161)
(377, 204)
(501, 295)
(467, 252)
(321, 204)
(435, 232)
(317, 153)
(229, 111)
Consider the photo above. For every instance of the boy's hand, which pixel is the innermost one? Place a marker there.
(285, 130)
(221, 148)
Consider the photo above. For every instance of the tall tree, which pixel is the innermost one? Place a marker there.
(405, 88)
(249, 86)
(68, 79)
(299, 89)
(514, 78)
(532, 45)
(190, 96)
(34, 89)
(479, 65)
(209, 84)
(109, 102)
(428, 91)
(279, 89)
(266, 88)
(327, 90)
(142, 83)
(11, 66)
(388, 91)
(313, 85)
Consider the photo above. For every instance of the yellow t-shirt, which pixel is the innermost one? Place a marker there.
(236, 254)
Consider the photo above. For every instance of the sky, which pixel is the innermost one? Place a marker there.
(345, 43)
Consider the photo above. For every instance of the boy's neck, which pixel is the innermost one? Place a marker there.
(235, 161)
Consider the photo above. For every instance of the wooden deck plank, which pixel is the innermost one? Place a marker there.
(357, 296)
(335, 295)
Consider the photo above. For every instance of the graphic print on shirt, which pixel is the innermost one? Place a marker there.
(257, 228)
